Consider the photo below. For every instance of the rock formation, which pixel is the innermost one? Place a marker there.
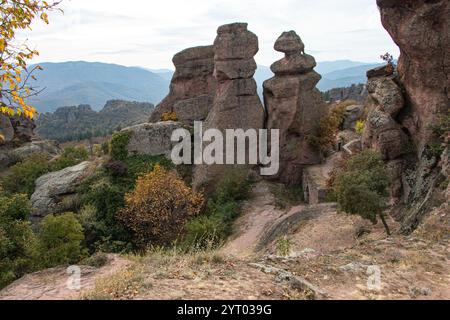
(56, 191)
(192, 86)
(352, 115)
(16, 129)
(152, 139)
(236, 103)
(356, 92)
(294, 106)
(421, 29)
(81, 122)
(382, 132)
(20, 142)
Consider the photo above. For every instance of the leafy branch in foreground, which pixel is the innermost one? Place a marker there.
(16, 15)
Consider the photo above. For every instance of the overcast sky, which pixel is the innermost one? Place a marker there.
(148, 33)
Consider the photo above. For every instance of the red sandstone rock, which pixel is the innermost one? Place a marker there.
(294, 106)
(236, 103)
(192, 86)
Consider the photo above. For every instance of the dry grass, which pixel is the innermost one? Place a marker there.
(158, 263)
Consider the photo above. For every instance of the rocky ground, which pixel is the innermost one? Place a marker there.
(331, 256)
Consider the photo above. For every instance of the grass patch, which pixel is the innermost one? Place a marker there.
(286, 197)
(212, 228)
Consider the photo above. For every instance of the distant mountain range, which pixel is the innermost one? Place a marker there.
(76, 83)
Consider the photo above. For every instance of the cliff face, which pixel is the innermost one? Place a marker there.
(192, 86)
(421, 29)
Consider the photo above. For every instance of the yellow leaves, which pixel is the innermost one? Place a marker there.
(14, 16)
(44, 17)
(159, 207)
(169, 116)
(8, 111)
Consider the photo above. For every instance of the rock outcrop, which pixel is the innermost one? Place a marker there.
(421, 29)
(352, 115)
(6, 129)
(81, 122)
(236, 103)
(153, 139)
(356, 92)
(56, 191)
(19, 141)
(192, 87)
(294, 106)
(17, 130)
(11, 156)
(382, 132)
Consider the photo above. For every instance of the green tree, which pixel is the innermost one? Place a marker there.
(21, 177)
(60, 240)
(18, 249)
(362, 187)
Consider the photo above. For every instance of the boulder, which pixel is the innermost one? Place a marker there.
(353, 114)
(383, 71)
(290, 43)
(236, 103)
(153, 139)
(294, 106)
(387, 94)
(294, 64)
(383, 132)
(192, 81)
(10, 155)
(23, 129)
(56, 191)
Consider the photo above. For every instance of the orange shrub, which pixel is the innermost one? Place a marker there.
(157, 210)
(169, 116)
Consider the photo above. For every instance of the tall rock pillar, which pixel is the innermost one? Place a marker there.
(236, 103)
(294, 106)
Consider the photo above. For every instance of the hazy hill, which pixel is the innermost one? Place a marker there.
(75, 83)
(324, 67)
(343, 77)
(80, 122)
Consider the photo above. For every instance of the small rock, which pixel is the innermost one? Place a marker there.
(383, 71)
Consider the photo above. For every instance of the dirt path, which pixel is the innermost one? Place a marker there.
(52, 284)
(259, 214)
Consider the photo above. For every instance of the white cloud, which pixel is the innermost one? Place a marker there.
(148, 33)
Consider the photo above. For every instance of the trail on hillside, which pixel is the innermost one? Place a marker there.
(259, 214)
(331, 256)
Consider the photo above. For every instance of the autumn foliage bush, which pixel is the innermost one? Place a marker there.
(329, 125)
(169, 116)
(157, 210)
